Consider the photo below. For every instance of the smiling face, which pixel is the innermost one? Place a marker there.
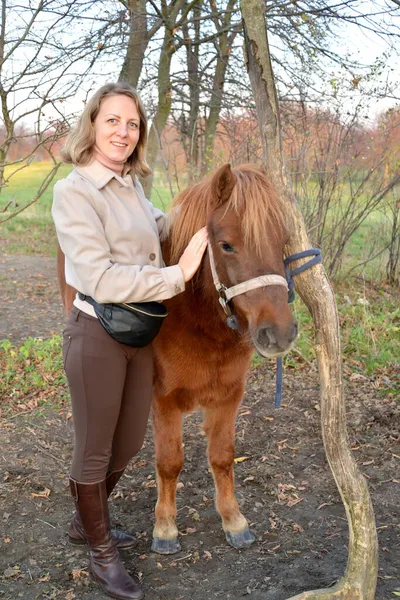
(117, 131)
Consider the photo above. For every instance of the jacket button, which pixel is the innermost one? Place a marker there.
(152, 256)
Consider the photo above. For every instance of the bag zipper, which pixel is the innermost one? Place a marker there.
(144, 312)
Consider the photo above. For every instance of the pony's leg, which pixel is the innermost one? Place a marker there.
(167, 428)
(219, 425)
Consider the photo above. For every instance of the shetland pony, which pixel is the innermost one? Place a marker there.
(201, 362)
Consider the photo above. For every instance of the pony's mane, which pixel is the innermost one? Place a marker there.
(253, 198)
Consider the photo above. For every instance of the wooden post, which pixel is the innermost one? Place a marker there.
(359, 580)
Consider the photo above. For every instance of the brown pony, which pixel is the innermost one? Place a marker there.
(199, 360)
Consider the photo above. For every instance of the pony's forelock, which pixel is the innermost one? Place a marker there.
(253, 198)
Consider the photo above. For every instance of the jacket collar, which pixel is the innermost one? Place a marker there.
(100, 176)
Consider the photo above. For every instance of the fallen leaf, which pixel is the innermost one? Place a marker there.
(190, 530)
(357, 377)
(240, 459)
(12, 572)
(78, 574)
(293, 500)
(45, 494)
(149, 484)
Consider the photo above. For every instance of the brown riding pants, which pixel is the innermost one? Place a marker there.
(111, 390)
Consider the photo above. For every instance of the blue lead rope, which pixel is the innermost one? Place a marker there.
(279, 382)
(317, 258)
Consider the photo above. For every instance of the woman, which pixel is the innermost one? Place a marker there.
(110, 235)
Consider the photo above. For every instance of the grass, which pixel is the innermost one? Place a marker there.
(31, 374)
(32, 231)
(371, 236)
(369, 326)
(369, 315)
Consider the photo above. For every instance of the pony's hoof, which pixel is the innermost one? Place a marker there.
(240, 539)
(165, 546)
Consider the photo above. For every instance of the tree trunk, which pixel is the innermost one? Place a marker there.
(137, 43)
(359, 581)
(170, 21)
(163, 108)
(190, 137)
(215, 106)
(225, 42)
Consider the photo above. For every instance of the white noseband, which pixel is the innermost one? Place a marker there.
(226, 294)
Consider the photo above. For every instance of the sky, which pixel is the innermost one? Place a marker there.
(367, 46)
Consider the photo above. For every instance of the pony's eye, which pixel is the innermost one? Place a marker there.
(226, 247)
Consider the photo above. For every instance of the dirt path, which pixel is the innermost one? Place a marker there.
(30, 303)
(284, 487)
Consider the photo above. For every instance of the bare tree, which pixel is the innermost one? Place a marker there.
(359, 582)
(393, 261)
(340, 174)
(173, 16)
(208, 37)
(189, 127)
(226, 34)
(139, 38)
(40, 68)
(142, 28)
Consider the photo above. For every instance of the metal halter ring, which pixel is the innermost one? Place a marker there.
(223, 301)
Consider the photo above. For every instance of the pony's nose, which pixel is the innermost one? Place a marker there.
(271, 336)
(294, 330)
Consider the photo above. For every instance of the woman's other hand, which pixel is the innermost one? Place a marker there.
(190, 260)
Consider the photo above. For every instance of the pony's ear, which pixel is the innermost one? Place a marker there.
(222, 183)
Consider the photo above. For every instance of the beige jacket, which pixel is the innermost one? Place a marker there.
(110, 235)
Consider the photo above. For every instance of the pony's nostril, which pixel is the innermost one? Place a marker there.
(262, 338)
(266, 337)
(270, 336)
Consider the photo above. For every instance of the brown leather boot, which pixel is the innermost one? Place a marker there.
(77, 535)
(105, 565)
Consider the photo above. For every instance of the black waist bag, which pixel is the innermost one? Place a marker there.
(135, 324)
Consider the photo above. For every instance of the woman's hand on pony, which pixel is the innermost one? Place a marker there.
(191, 258)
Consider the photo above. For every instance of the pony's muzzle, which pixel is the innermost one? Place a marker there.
(272, 340)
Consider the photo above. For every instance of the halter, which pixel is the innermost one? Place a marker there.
(225, 295)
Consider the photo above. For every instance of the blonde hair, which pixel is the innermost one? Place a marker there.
(78, 146)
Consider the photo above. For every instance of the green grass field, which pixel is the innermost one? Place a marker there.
(32, 231)
(369, 311)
